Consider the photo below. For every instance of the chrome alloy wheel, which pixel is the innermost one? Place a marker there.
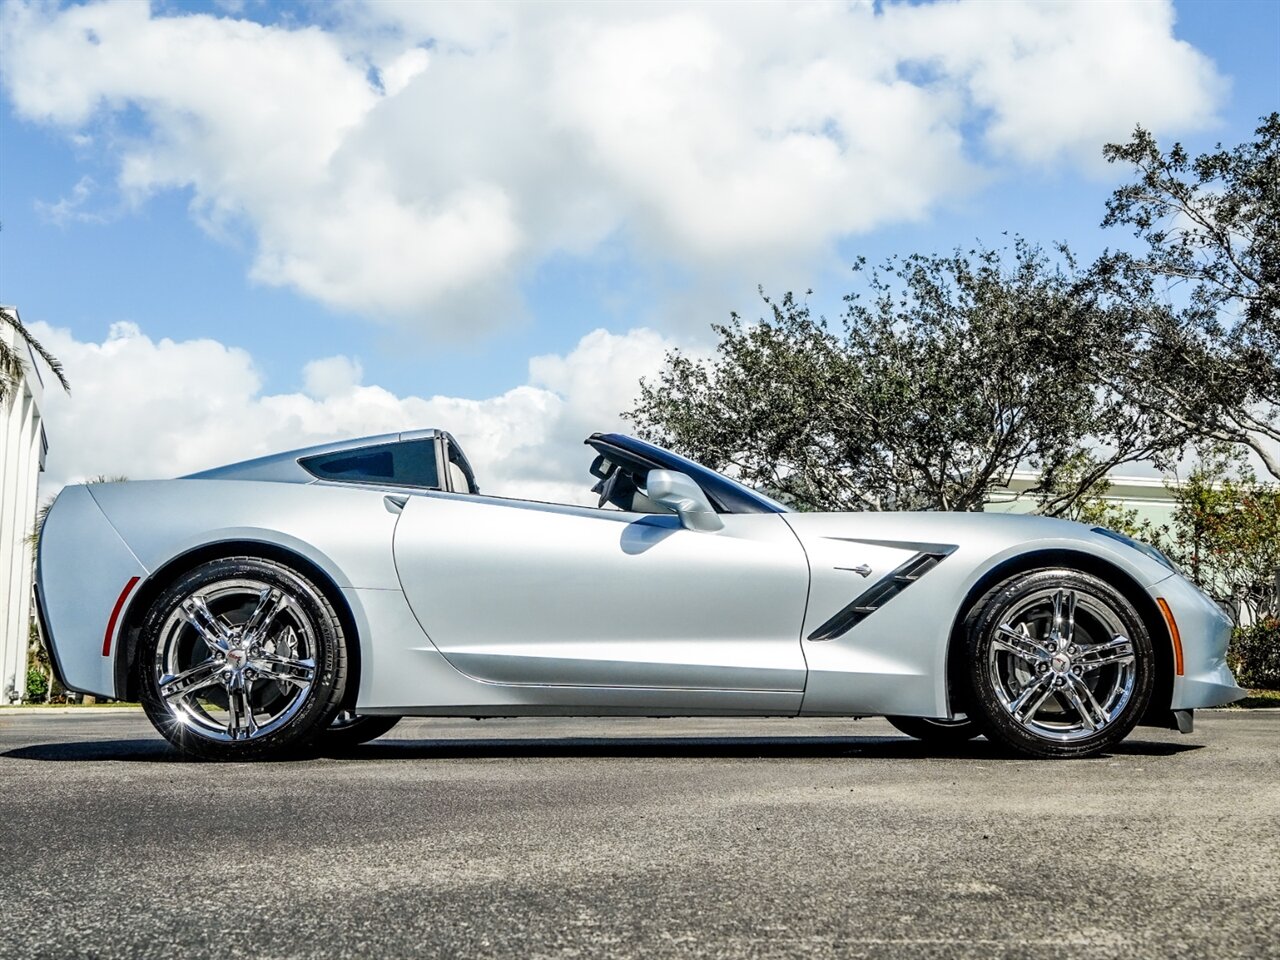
(1061, 665)
(236, 659)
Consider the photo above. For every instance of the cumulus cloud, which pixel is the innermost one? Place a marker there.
(415, 161)
(1063, 78)
(332, 376)
(204, 405)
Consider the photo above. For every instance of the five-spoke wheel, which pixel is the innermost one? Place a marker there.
(241, 658)
(1060, 662)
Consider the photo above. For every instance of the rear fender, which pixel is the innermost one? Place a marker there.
(86, 575)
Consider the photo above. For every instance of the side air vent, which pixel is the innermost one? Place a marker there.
(880, 593)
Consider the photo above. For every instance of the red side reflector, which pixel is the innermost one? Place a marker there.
(115, 615)
(1173, 634)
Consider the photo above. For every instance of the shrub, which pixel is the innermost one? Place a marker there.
(37, 685)
(1254, 655)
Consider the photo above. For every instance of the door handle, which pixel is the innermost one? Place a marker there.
(394, 503)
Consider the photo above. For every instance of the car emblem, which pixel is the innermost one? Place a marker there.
(863, 570)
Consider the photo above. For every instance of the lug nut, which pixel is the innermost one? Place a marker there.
(1051, 647)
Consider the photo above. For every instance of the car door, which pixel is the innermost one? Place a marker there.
(515, 592)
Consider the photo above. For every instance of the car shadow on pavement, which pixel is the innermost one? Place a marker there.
(762, 748)
(136, 751)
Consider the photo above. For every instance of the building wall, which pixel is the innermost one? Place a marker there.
(1149, 496)
(22, 447)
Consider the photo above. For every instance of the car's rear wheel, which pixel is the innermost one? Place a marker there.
(939, 732)
(241, 658)
(349, 729)
(1061, 664)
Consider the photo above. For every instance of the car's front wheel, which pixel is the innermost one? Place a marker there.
(1061, 664)
(241, 658)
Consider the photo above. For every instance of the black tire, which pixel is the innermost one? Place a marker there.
(348, 730)
(1055, 695)
(250, 638)
(948, 733)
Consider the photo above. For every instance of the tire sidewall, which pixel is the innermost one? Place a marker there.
(322, 700)
(360, 731)
(941, 733)
(990, 612)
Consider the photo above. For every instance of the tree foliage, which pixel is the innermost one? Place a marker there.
(945, 375)
(1205, 294)
(1225, 535)
(1254, 655)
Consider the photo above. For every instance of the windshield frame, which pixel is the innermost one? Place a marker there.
(726, 494)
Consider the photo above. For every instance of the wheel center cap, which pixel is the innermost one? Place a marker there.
(235, 657)
(1060, 664)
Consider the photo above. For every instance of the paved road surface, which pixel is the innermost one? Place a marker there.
(639, 838)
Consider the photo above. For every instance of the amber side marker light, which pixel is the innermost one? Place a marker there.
(1173, 632)
(128, 589)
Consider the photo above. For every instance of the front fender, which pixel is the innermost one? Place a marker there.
(894, 661)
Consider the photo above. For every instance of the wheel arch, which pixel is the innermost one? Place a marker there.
(126, 660)
(1131, 589)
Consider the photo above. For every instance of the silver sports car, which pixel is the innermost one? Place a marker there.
(314, 597)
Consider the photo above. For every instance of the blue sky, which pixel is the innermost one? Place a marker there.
(522, 179)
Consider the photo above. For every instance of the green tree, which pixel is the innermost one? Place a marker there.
(1225, 535)
(1205, 294)
(945, 376)
(12, 364)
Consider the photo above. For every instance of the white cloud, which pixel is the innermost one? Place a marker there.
(396, 75)
(204, 406)
(1063, 78)
(331, 376)
(415, 161)
(72, 208)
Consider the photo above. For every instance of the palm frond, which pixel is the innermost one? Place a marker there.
(42, 515)
(11, 367)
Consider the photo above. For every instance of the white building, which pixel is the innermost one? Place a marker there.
(1150, 497)
(22, 451)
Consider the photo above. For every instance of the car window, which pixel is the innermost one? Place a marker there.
(408, 464)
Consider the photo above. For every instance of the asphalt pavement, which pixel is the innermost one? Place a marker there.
(639, 838)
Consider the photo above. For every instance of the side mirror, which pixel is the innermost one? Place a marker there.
(679, 494)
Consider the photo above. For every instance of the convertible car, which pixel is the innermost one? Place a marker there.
(313, 598)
